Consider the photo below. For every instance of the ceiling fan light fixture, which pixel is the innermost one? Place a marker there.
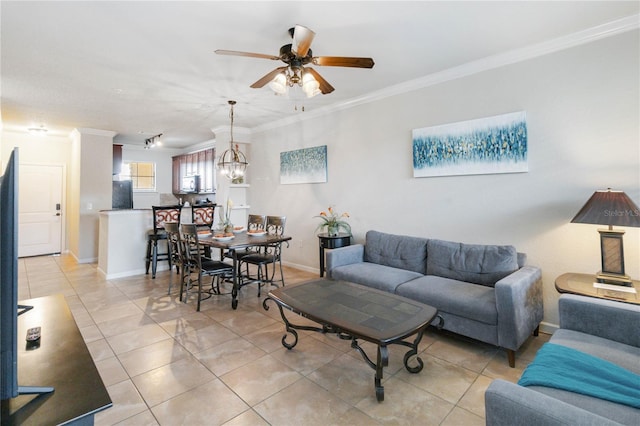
(310, 86)
(279, 84)
(232, 163)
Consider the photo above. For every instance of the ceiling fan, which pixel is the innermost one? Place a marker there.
(297, 55)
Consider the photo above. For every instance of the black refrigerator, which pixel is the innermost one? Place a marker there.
(122, 196)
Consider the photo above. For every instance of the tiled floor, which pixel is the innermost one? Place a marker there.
(164, 363)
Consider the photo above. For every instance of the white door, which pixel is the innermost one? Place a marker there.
(40, 209)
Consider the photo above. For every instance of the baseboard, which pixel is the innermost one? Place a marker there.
(548, 328)
(302, 267)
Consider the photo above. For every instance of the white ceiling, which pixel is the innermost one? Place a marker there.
(143, 68)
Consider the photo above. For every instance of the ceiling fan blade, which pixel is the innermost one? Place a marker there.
(247, 54)
(302, 38)
(325, 87)
(341, 61)
(267, 78)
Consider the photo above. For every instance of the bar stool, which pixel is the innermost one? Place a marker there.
(161, 214)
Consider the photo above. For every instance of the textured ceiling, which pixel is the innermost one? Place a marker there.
(143, 68)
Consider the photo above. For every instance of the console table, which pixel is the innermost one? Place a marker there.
(582, 284)
(327, 241)
(61, 361)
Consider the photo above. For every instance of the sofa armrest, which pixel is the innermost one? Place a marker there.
(509, 404)
(608, 319)
(344, 256)
(519, 306)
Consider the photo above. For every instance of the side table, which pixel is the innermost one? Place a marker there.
(582, 284)
(327, 241)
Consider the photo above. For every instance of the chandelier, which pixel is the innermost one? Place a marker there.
(233, 162)
(292, 76)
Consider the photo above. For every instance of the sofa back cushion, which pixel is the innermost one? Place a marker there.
(397, 251)
(474, 263)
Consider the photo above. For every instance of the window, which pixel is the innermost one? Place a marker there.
(143, 175)
(198, 163)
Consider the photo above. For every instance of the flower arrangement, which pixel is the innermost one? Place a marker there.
(334, 222)
(225, 216)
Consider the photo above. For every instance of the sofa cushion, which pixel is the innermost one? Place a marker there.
(397, 251)
(474, 263)
(467, 300)
(373, 275)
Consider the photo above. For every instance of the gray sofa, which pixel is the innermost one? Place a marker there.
(481, 291)
(605, 329)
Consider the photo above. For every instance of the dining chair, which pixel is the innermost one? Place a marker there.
(203, 216)
(176, 251)
(197, 264)
(255, 222)
(265, 256)
(161, 215)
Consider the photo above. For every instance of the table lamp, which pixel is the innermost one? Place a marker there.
(610, 208)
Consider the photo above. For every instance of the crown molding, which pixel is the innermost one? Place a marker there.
(609, 29)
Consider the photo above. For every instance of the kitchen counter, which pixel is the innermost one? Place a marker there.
(123, 241)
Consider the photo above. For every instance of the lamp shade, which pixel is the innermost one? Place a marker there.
(609, 208)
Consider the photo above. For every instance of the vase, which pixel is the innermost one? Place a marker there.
(333, 231)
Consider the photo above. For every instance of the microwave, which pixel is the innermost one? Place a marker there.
(191, 184)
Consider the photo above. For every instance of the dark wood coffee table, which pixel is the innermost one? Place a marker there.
(357, 312)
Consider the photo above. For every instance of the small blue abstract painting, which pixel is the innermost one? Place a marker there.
(308, 165)
(484, 146)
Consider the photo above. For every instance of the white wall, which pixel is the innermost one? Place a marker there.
(582, 110)
(163, 159)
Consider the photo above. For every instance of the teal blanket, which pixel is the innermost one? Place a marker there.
(560, 367)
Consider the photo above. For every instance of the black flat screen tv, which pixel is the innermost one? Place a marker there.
(9, 308)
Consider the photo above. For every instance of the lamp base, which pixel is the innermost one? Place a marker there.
(615, 279)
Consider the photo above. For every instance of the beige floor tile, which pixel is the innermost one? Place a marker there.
(111, 312)
(205, 338)
(260, 379)
(209, 404)
(145, 418)
(306, 403)
(461, 417)
(307, 356)
(121, 325)
(268, 338)
(248, 418)
(163, 383)
(127, 402)
(245, 323)
(405, 404)
(348, 378)
(461, 351)
(473, 400)
(498, 368)
(448, 381)
(137, 338)
(230, 355)
(155, 355)
(111, 371)
(186, 323)
(91, 333)
(100, 350)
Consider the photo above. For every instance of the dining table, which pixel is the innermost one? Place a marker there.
(239, 241)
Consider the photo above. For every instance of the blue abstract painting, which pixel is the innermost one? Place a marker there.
(308, 165)
(484, 146)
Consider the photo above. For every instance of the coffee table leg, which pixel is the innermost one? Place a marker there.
(382, 361)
